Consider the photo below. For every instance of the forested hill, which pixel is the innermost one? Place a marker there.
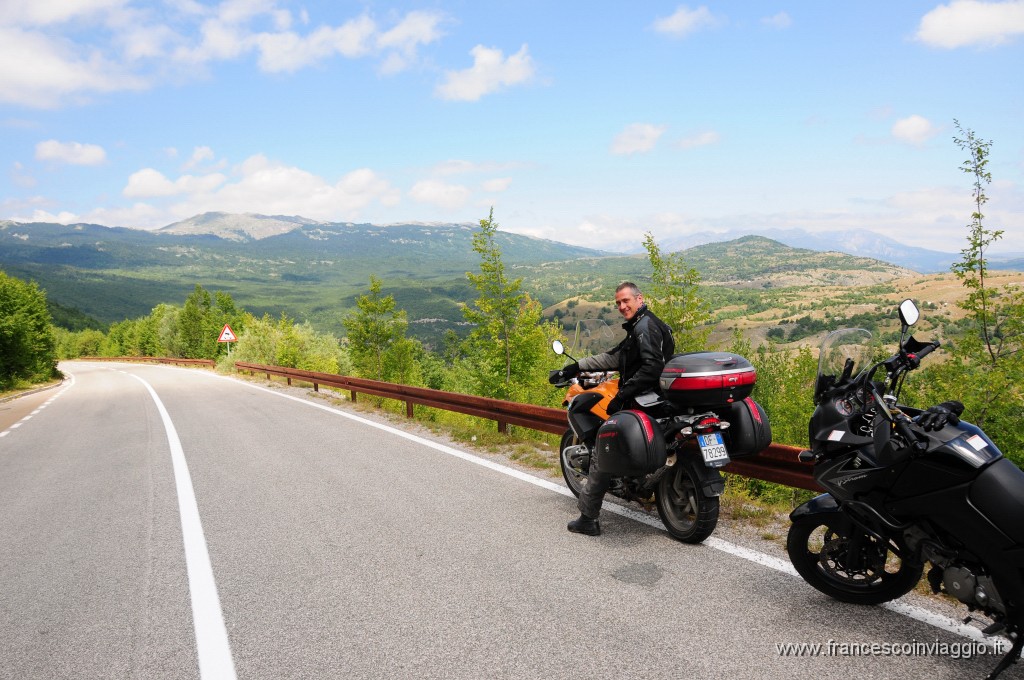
(311, 271)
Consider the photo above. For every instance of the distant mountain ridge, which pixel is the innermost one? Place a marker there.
(860, 243)
(237, 227)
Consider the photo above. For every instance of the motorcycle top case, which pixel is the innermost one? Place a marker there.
(749, 430)
(630, 443)
(707, 379)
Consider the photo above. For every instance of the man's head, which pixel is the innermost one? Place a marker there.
(628, 299)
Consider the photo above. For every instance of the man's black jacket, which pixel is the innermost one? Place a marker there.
(640, 358)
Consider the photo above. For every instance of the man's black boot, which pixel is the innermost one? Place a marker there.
(585, 525)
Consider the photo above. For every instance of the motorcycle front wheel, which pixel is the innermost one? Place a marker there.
(847, 564)
(687, 513)
(575, 475)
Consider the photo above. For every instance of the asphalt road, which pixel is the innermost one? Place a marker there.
(170, 523)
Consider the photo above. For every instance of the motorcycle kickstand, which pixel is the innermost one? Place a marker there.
(1009, 659)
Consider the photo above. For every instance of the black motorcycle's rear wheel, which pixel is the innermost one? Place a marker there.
(847, 564)
(687, 513)
(575, 475)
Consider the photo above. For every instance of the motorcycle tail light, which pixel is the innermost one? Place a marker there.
(708, 425)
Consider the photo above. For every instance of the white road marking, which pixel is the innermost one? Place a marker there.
(899, 606)
(49, 401)
(215, 662)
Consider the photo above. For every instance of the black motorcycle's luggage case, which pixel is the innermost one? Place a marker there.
(707, 379)
(630, 443)
(749, 430)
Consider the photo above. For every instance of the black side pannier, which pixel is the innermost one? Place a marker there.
(630, 443)
(749, 430)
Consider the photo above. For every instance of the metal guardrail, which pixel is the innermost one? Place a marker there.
(778, 463)
(208, 363)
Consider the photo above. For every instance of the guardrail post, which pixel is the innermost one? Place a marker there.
(409, 409)
(353, 394)
(316, 387)
(289, 381)
(502, 427)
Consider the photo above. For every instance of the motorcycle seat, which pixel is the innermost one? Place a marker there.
(999, 494)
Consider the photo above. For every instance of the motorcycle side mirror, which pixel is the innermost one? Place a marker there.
(909, 313)
(558, 347)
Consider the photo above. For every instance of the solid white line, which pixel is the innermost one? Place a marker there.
(215, 662)
(899, 606)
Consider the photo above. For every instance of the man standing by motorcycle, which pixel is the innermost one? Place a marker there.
(640, 360)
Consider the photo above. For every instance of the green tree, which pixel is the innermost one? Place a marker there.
(674, 296)
(373, 327)
(27, 344)
(972, 268)
(987, 368)
(508, 346)
(284, 343)
(197, 335)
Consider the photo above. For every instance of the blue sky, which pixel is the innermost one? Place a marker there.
(589, 123)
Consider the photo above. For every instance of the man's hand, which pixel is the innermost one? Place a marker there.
(566, 373)
(940, 415)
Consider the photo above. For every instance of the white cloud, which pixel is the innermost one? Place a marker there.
(62, 217)
(199, 155)
(497, 184)
(133, 48)
(972, 22)
(263, 186)
(72, 153)
(703, 139)
(36, 13)
(150, 183)
(60, 70)
(914, 130)
(290, 52)
(780, 20)
(490, 72)
(685, 21)
(402, 41)
(440, 194)
(637, 138)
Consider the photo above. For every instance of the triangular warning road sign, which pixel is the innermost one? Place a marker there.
(227, 335)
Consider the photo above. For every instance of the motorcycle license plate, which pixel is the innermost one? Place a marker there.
(713, 448)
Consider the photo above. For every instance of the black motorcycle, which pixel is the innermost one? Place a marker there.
(901, 495)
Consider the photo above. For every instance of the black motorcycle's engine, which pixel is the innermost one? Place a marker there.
(974, 590)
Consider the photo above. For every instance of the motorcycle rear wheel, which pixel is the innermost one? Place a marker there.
(575, 476)
(846, 563)
(687, 513)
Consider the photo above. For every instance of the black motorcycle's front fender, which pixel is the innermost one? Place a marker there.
(819, 505)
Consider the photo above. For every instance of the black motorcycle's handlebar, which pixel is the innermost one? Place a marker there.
(903, 428)
(929, 348)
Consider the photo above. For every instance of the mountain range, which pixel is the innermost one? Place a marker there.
(250, 226)
(313, 270)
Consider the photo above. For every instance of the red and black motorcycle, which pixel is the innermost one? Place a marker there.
(669, 451)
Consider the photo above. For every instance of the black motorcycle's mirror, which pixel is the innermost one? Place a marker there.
(909, 314)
